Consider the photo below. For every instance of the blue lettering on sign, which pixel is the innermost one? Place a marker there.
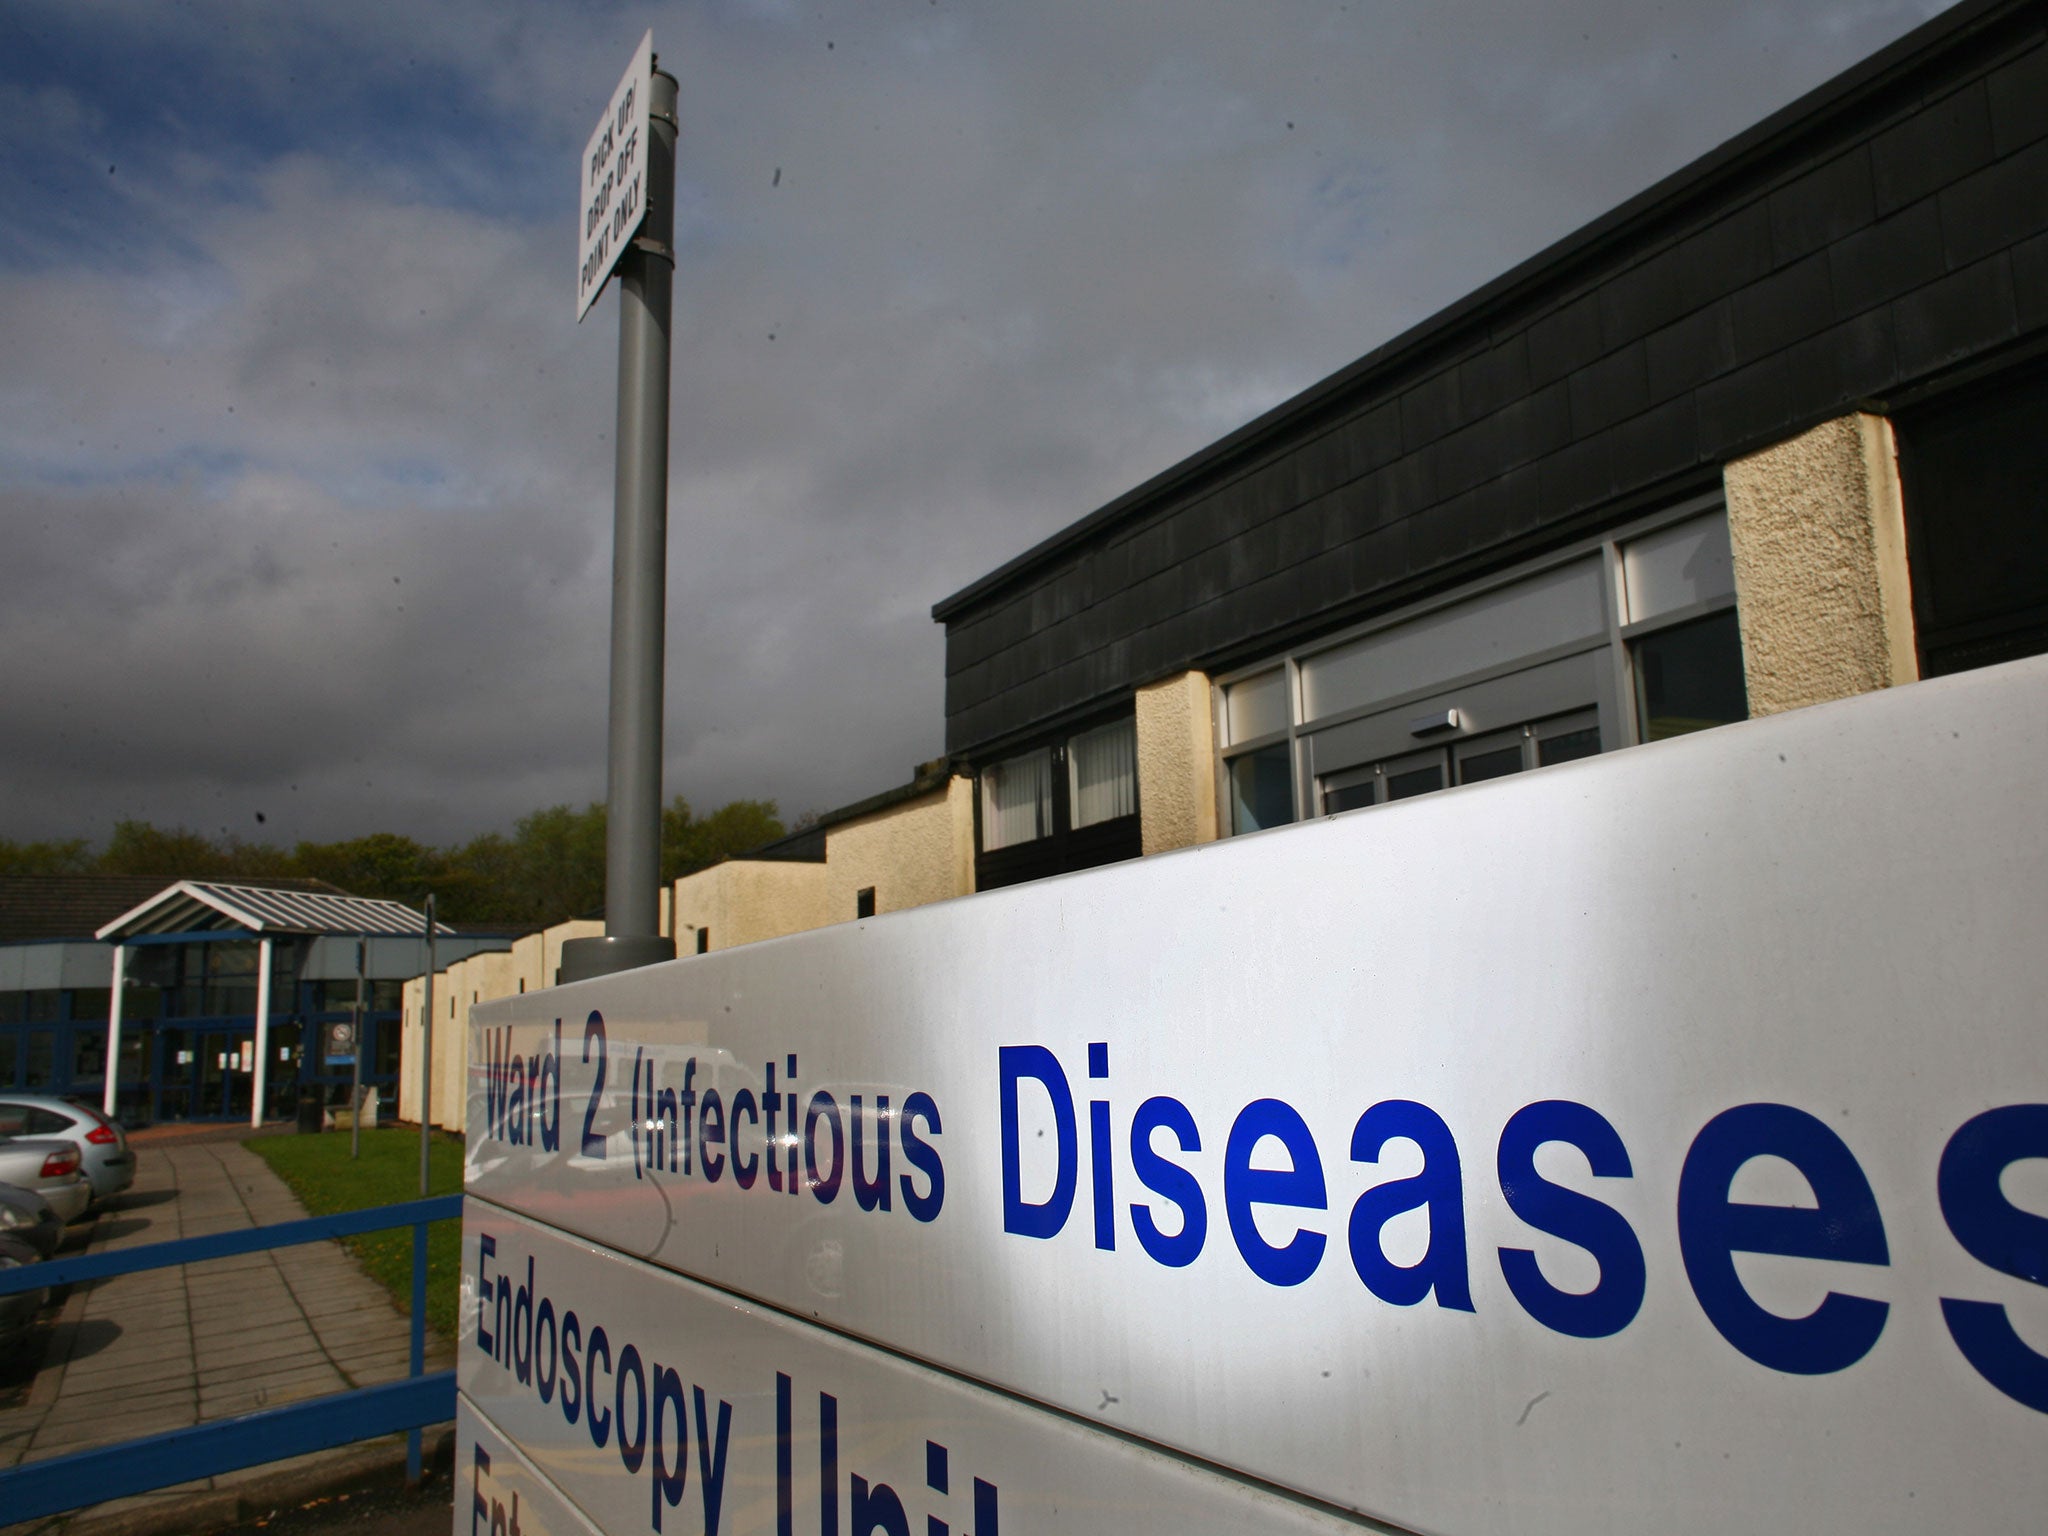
(1271, 1160)
(2000, 1236)
(1299, 1184)
(654, 1412)
(1579, 1219)
(1439, 1188)
(523, 1095)
(1015, 1065)
(1844, 1226)
(1170, 1181)
(489, 1516)
(677, 1130)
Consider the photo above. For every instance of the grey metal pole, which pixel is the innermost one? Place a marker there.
(427, 1049)
(355, 1089)
(632, 921)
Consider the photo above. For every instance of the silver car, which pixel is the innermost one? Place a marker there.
(49, 1169)
(103, 1152)
(29, 1234)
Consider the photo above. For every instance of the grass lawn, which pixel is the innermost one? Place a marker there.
(320, 1173)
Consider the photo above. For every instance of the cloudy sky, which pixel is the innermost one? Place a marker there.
(305, 465)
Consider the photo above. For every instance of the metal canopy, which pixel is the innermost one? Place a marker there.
(199, 907)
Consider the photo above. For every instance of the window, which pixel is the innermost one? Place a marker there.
(703, 947)
(1685, 647)
(88, 1053)
(1016, 801)
(1625, 639)
(1257, 706)
(1972, 472)
(1470, 761)
(32, 1120)
(1102, 773)
(135, 1045)
(1258, 763)
(1689, 677)
(230, 986)
(42, 1059)
(1068, 805)
(1261, 789)
(864, 901)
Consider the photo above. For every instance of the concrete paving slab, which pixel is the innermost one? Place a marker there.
(338, 1301)
(228, 1325)
(135, 1374)
(272, 1397)
(375, 1367)
(331, 1285)
(60, 1435)
(228, 1403)
(118, 1398)
(261, 1351)
(208, 1294)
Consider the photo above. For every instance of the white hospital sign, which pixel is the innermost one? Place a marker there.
(612, 199)
(1657, 1142)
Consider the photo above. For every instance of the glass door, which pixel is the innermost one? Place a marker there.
(281, 1082)
(177, 1062)
(223, 1075)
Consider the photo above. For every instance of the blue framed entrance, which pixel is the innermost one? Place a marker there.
(171, 986)
(199, 1066)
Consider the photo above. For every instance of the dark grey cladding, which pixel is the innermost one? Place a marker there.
(1885, 232)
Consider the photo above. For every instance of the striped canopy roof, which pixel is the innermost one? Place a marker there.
(199, 906)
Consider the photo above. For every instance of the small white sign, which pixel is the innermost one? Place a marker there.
(612, 179)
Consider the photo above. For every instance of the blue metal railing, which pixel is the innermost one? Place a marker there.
(35, 1489)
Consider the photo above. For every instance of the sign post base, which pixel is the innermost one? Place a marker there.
(584, 958)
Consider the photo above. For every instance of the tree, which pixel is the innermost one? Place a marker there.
(689, 844)
(481, 884)
(559, 862)
(138, 848)
(57, 856)
(385, 865)
(550, 869)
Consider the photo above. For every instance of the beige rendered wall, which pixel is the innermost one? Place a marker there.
(450, 1047)
(552, 940)
(528, 967)
(529, 961)
(409, 1049)
(917, 852)
(478, 979)
(743, 900)
(1176, 763)
(1820, 566)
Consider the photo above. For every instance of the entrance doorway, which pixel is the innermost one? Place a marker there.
(207, 1072)
(225, 1072)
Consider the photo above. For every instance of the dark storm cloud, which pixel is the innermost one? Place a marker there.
(305, 467)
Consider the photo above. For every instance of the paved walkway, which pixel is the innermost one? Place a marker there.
(168, 1348)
